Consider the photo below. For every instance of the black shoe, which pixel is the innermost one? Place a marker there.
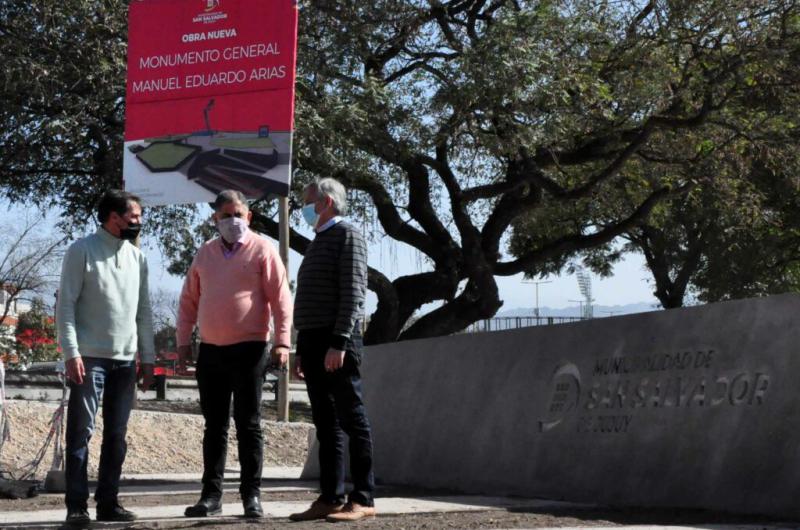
(78, 516)
(204, 508)
(252, 507)
(113, 512)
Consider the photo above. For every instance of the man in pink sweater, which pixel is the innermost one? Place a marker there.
(235, 284)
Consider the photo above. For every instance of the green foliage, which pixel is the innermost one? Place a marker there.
(754, 237)
(63, 89)
(731, 232)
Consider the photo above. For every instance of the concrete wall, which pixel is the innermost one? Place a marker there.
(696, 407)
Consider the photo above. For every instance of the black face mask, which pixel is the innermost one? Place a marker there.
(131, 232)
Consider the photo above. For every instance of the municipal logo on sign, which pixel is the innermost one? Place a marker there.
(565, 394)
(210, 13)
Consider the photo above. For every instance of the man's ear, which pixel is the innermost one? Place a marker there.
(214, 217)
(249, 217)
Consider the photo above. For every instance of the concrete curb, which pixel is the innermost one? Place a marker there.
(281, 510)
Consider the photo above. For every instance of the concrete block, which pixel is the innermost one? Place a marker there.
(696, 407)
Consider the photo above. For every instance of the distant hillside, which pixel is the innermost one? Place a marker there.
(599, 310)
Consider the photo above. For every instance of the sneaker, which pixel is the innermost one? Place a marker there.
(204, 507)
(114, 513)
(78, 516)
(352, 511)
(318, 510)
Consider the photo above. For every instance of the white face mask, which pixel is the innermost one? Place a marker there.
(232, 229)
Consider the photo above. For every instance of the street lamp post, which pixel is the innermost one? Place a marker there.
(581, 305)
(536, 309)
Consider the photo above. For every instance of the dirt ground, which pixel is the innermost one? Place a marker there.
(562, 517)
(498, 518)
(165, 441)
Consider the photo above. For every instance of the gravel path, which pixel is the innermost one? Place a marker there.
(158, 442)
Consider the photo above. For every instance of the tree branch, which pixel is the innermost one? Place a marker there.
(571, 244)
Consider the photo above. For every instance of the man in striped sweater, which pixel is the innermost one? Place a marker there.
(329, 303)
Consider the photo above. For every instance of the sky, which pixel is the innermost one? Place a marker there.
(628, 284)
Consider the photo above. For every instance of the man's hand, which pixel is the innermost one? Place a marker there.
(147, 377)
(184, 356)
(280, 355)
(297, 369)
(334, 360)
(75, 371)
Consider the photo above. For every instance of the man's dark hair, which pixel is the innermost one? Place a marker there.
(227, 196)
(115, 201)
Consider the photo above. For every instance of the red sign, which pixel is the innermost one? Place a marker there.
(210, 98)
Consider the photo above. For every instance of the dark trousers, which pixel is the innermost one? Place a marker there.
(337, 408)
(113, 381)
(223, 371)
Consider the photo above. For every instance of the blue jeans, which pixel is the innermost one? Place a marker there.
(113, 381)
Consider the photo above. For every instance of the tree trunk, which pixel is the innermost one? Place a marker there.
(478, 301)
(384, 323)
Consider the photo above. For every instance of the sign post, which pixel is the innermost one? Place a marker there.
(283, 382)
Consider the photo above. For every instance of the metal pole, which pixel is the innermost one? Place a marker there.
(537, 296)
(537, 283)
(283, 243)
(581, 306)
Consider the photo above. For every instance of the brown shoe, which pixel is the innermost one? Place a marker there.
(352, 511)
(318, 510)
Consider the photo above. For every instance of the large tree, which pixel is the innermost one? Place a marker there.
(477, 113)
(450, 120)
(736, 236)
(63, 97)
(735, 232)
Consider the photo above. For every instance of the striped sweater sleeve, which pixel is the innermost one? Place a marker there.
(352, 286)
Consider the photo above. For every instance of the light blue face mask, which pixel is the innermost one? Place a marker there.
(310, 215)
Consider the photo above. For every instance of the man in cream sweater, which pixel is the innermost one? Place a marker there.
(104, 319)
(236, 284)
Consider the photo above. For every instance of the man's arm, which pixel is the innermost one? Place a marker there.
(279, 298)
(71, 284)
(144, 316)
(187, 312)
(144, 327)
(70, 287)
(352, 287)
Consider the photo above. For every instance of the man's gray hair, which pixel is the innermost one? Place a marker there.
(227, 196)
(334, 189)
